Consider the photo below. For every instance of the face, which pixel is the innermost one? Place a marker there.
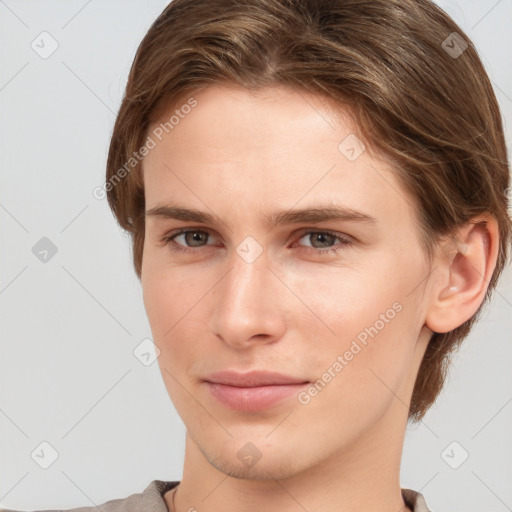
(337, 303)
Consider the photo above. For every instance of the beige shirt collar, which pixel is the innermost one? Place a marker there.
(153, 498)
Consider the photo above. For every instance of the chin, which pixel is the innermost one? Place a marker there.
(243, 460)
(262, 471)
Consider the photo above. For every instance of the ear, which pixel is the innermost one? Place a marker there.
(464, 265)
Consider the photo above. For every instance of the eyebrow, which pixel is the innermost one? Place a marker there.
(312, 215)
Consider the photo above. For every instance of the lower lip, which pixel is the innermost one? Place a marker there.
(253, 399)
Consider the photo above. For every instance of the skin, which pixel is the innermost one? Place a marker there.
(241, 156)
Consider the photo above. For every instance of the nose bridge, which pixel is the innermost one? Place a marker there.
(244, 306)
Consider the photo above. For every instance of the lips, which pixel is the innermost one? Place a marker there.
(253, 379)
(253, 391)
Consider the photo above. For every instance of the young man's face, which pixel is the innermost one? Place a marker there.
(254, 296)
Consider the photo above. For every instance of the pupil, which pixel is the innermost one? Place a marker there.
(196, 236)
(322, 236)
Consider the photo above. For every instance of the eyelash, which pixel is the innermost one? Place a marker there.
(329, 250)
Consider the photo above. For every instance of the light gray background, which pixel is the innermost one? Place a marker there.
(69, 326)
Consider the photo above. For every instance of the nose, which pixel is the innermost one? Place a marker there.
(248, 304)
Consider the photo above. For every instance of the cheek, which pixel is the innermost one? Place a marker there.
(156, 301)
(166, 291)
(168, 300)
(345, 300)
(362, 372)
(174, 300)
(365, 314)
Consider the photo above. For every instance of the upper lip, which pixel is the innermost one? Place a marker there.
(252, 379)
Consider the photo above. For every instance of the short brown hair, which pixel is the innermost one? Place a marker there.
(419, 93)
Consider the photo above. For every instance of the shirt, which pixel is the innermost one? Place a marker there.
(152, 500)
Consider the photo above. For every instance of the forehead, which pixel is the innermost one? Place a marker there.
(274, 147)
(221, 109)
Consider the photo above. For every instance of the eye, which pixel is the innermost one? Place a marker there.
(323, 237)
(196, 239)
(192, 236)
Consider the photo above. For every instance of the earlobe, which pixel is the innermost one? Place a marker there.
(466, 264)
